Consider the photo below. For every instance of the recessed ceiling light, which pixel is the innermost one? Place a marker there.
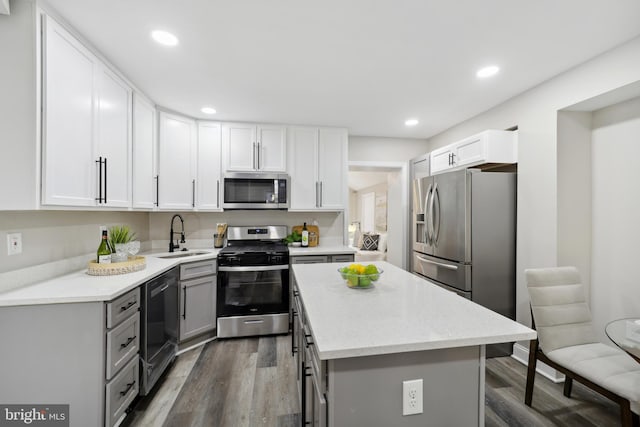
(411, 122)
(208, 110)
(489, 71)
(164, 38)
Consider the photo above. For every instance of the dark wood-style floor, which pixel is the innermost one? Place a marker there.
(251, 382)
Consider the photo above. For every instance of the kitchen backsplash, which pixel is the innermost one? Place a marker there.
(200, 226)
(58, 242)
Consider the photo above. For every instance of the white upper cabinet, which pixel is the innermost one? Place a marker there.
(176, 162)
(253, 148)
(114, 112)
(318, 168)
(303, 167)
(332, 168)
(490, 146)
(271, 148)
(144, 143)
(70, 174)
(86, 126)
(208, 164)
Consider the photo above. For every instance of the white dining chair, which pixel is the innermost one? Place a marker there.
(567, 342)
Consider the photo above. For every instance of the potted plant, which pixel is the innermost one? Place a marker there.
(120, 236)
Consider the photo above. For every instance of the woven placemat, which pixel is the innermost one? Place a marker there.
(136, 264)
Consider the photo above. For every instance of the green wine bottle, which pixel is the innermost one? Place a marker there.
(104, 250)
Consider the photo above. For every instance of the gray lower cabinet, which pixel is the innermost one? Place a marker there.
(197, 298)
(311, 371)
(81, 354)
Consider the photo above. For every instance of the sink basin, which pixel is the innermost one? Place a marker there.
(183, 254)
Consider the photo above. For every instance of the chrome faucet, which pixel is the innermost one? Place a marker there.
(173, 247)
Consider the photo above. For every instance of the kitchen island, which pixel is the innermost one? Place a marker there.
(355, 347)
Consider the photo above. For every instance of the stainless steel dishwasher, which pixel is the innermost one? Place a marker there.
(159, 329)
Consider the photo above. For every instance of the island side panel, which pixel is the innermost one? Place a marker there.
(54, 354)
(368, 390)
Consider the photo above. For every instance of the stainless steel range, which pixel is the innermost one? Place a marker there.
(253, 282)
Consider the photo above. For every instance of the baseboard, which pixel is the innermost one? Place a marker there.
(521, 354)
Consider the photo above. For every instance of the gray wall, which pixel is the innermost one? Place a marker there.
(19, 170)
(371, 148)
(535, 112)
(66, 239)
(615, 225)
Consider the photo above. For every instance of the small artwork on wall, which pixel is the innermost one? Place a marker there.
(381, 212)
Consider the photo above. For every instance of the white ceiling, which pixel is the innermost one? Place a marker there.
(363, 64)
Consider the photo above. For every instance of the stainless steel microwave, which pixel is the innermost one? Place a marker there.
(255, 191)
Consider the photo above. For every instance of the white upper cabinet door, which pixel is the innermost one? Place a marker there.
(176, 162)
(272, 149)
(209, 154)
(442, 159)
(332, 168)
(144, 141)
(114, 111)
(490, 146)
(239, 147)
(70, 171)
(302, 147)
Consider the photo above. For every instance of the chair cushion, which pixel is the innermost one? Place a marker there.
(559, 307)
(604, 365)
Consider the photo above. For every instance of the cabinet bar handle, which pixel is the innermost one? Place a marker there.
(321, 201)
(218, 191)
(126, 390)
(193, 193)
(129, 341)
(125, 308)
(254, 155)
(184, 302)
(105, 180)
(157, 190)
(99, 162)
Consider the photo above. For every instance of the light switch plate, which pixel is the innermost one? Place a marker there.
(14, 243)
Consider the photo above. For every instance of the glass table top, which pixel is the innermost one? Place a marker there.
(625, 333)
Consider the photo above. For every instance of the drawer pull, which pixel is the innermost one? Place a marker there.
(129, 341)
(128, 306)
(126, 390)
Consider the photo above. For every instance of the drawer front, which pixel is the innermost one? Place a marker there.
(197, 269)
(342, 258)
(309, 259)
(120, 392)
(123, 343)
(122, 307)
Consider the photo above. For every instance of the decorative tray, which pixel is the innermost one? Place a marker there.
(134, 264)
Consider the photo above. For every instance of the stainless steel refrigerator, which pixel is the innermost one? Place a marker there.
(464, 237)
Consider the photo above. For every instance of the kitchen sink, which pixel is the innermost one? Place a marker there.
(183, 254)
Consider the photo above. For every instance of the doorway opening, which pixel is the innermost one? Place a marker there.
(378, 205)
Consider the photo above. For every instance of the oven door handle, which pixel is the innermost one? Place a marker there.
(255, 268)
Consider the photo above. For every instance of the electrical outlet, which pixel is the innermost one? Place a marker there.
(412, 397)
(14, 243)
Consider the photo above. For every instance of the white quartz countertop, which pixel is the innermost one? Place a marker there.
(400, 313)
(321, 250)
(80, 287)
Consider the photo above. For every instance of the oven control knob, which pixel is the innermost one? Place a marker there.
(276, 259)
